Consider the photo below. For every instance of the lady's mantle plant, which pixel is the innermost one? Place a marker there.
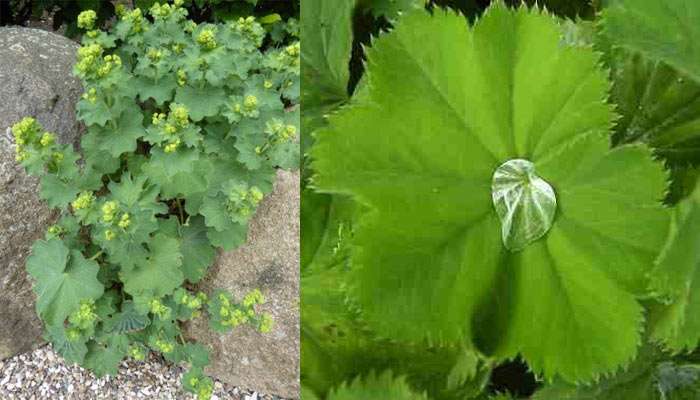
(186, 124)
(498, 215)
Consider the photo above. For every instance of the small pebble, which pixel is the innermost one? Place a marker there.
(42, 374)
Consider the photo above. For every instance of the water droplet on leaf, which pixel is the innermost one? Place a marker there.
(524, 202)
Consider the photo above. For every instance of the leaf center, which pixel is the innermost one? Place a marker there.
(524, 202)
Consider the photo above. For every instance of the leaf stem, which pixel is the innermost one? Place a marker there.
(96, 256)
(182, 213)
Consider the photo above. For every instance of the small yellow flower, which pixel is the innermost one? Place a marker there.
(124, 222)
(108, 211)
(207, 39)
(84, 201)
(109, 235)
(47, 139)
(250, 102)
(86, 19)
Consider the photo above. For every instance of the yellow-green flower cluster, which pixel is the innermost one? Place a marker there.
(279, 132)
(88, 56)
(83, 201)
(193, 302)
(249, 28)
(163, 11)
(110, 235)
(207, 38)
(135, 17)
(159, 309)
(266, 323)
(47, 139)
(242, 201)
(86, 19)
(164, 346)
(154, 55)
(205, 389)
(136, 352)
(73, 334)
(111, 62)
(267, 84)
(92, 64)
(190, 26)
(55, 230)
(28, 135)
(249, 108)
(120, 10)
(253, 298)
(177, 48)
(111, 217)
(230, 314)
(85, 316)
(90, 95)
(290, 57)
(181, 77)
(171, 124)
(109, 209)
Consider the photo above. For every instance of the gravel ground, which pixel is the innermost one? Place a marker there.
(42, 374)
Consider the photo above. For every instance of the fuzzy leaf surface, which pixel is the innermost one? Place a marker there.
(63, 279)
(373, 386)
(430, 261)
(676, 277)
(661, 30)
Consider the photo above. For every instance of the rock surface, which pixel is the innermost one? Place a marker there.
(36, 77)
(270, 261)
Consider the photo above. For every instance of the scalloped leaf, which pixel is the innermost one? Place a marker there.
(327, 36)
(127, 320)
(661, 30)
(63, 278)
(375, 386)
(429, 260)
(676, 278)
(657, 104)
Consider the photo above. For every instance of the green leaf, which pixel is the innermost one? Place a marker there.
(72, 351)
(119, 136)
(197, 253)
(390, 9)
(197, 354)
(104, 356)
(62, 279)
(337, 345)
(168, 165)
(158, 275)
(658, 105)
(652, 376)
(127, 320)
(661, 30)
(376, 386)
(325, 56)
(201, 102)
(308, 394)
(57, 192)
(233, 236)
(161, 90)
(676, 277)
(432, 240)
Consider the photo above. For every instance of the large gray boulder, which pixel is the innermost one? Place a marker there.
(268, 363)
(35, 80)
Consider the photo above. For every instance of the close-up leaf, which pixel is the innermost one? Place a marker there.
(429, 259)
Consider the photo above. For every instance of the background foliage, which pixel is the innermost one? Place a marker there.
(648, 49)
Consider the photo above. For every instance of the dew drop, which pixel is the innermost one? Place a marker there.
(524, 202)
